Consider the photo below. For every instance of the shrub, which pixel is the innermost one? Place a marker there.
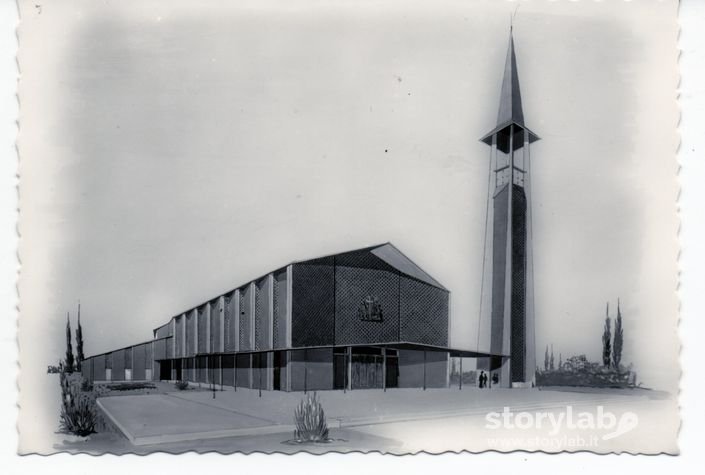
(128, 386)
(181, 385)
(86, 385)
(310, 421)
(578, 371)
(78, 415)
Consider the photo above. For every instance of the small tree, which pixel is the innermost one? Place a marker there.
(560, 360)
(606, 339)
(618, 339)
(545, 360)
(69, 349)
(552, 360)
(79, 341)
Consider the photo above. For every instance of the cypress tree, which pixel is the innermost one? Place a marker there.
(618, 339)
(552, 360)
(79, 341)
(545, 360)
(69, 348)
(606, 339)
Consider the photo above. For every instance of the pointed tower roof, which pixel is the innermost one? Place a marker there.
(510, 107)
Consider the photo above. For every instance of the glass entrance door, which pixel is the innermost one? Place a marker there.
(367, 371)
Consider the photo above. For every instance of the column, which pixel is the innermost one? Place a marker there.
(348, 353)
(460, 384)
(154, 376)
(424, 370)
(195, 332)
(449, 360)
(209, 335)
(253, 314)
(173, 338)
(183, 336)
(384, 369)
(270, 370)
(270, 311)
(221, 325)
(289, 303)
(288, 371)
(236, 318)
(251, 372)
(530, 329)
(505, 375)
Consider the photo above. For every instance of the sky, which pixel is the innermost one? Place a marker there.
(171, 151)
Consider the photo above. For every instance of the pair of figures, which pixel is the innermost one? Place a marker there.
(483, 379)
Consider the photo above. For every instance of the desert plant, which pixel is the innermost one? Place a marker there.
(78, 414)
(310, 420)
(181, 385)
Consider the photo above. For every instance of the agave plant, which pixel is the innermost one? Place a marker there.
(78, 415)
(310, 420)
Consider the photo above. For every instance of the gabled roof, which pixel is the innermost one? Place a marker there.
(393, 257)
(510, 107)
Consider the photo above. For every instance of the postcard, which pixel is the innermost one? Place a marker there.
(302, 226)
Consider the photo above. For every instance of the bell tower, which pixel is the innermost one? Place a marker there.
(510, 256)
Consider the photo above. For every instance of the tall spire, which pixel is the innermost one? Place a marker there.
(510, 109)
(510, 106)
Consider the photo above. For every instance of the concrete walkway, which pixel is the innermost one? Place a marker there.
(157, 419)
(195, 415)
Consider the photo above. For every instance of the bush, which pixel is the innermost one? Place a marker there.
(86, 385)
(129, 386)
(181, 385)
(469, 378)
(78, 415)
(578, 371)
(310, 421)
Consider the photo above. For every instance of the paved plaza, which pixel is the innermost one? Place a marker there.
(197, 415)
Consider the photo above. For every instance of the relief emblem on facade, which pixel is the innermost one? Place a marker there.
(370, 310)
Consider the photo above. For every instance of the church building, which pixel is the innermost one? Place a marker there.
(361, 319)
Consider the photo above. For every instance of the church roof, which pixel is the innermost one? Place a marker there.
(394, 258)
